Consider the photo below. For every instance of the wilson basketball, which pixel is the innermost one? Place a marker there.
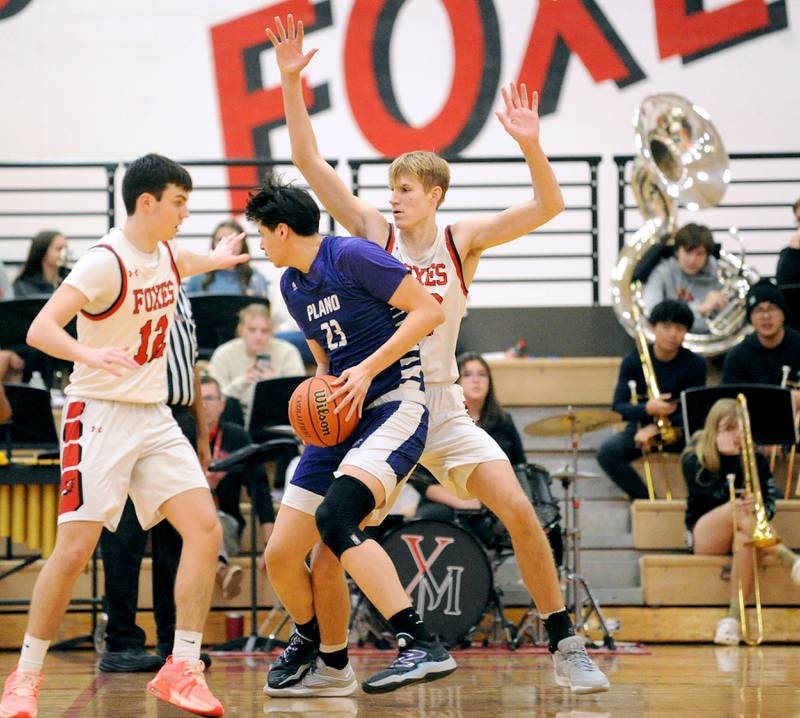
(312, 417)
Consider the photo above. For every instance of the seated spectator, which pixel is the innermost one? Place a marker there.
(760, 358)
(676, 368)
(713, 454)
(241, 279)
(45, 266)
(788, 269)
(253, 356)
(690, 276)
(6, 288)
(224, 439)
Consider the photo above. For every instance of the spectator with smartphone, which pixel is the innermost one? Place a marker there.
(254, 355)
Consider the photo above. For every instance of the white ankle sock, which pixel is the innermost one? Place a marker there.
(187, 646)
(31, 658)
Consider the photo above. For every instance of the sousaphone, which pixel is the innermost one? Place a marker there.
(680, 160)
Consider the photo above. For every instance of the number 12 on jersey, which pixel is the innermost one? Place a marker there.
(159, 340)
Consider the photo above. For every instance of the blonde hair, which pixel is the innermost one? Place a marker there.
(253, 310)
(430, 169)
(704, 442)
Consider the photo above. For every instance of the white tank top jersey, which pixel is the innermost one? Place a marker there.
(132, 297)
(439, 271)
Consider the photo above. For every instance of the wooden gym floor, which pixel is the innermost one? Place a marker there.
(671, 682)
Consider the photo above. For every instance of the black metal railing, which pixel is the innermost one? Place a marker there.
(757, 203)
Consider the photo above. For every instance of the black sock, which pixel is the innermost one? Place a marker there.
(335, 659)
(408, 621)
(558, 626)
(309, 631)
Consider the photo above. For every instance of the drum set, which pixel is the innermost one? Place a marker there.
(448, 568)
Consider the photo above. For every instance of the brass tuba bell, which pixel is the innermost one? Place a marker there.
(680, 160)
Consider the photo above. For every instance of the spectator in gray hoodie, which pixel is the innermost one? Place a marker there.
(690, 276)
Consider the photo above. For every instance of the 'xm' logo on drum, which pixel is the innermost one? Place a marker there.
(431, 593)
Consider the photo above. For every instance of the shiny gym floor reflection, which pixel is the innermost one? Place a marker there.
(674, 681)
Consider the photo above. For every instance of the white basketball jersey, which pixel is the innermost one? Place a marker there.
(439, 271)
(138, 319)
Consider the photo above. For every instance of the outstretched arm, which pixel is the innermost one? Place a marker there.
(222, 256)
(357, 216)
(520, 119)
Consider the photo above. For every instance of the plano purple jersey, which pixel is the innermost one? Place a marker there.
(342, 304)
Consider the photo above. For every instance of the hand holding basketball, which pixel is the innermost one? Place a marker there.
(312, 415)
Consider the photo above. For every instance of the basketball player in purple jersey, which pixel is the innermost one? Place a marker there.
(458, 453)
(363, 317)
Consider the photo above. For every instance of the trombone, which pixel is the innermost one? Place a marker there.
(667, 433)
(761, 534)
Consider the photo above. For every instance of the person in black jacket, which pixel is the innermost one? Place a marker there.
(676, 368)
(760, 358)
(713, 454)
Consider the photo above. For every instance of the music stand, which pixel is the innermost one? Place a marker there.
(270, 407)
(31, 425)
(216, 317)
(771, 409)
(250, 455)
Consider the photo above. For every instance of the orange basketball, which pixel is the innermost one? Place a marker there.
(312, 417)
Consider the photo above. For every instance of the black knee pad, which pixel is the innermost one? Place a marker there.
(347, 503)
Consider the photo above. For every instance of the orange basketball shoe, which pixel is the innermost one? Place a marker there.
(21, 695)
(182, 684)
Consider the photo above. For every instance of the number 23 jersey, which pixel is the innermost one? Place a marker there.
(342, 304)
(132, 297)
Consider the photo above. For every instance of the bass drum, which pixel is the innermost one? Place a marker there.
(446, 573)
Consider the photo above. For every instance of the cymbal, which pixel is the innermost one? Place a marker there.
(580, 422)
(566, 473)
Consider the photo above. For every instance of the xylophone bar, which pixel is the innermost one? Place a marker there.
(29, 504)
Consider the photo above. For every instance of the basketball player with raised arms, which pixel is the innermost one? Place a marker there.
(363, 316)
(459, 454)
(119, 438)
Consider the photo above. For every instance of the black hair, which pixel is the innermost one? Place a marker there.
(244, 270)
(796, 206)
(672, 310)
(492, 413)
(39, 246)
(151, 174)
(692, 235)
(277, 203)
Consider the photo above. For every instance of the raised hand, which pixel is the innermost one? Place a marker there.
(519, 117)
(226, 253)
(289, 46)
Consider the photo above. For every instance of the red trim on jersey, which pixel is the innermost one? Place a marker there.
(390, 239)
(71, 486)
(451, 248)
(71, 492)
(172, 262)
(75, 409)
(72, 431)
(117, 303)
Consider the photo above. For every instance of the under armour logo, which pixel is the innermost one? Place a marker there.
(98, 429)
(294, 286)
(133, 272)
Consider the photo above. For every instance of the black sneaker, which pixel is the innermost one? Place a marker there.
(416, 662)
(291, 665)
(135, 660)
